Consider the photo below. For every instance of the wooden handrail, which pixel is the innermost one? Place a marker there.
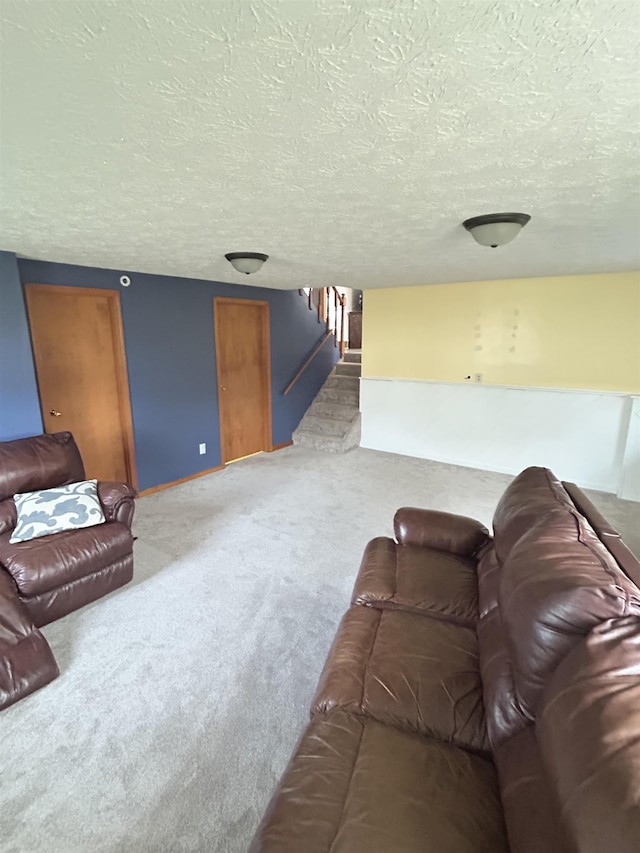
(325, 338)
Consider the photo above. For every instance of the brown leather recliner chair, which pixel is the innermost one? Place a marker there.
(44, 579)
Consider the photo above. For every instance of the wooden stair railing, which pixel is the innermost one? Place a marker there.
(340, 317)
(331, 312)
(315, 352)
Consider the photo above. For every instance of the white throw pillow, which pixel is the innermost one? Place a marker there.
(54, 510)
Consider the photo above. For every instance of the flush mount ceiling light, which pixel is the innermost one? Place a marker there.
(496, 229)
(246, 262)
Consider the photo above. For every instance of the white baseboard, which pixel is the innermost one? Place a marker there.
(583, 436)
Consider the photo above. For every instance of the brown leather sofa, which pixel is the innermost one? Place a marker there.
(481, 694)
(46, 578)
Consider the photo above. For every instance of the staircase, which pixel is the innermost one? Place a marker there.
(332, 422)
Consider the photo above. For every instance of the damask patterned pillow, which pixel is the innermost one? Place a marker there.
(54, 510)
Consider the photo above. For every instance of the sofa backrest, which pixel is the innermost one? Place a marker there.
(550, 593)
(531, 495)
(588, 734)
(557, 584)
(39, 462)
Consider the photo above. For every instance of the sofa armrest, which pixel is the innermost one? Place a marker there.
(606, 532)
(444, 531)
(117, 501)
(26, 661)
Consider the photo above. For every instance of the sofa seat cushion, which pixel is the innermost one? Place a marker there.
(527, 799)
(399, 668)
(422, 580)
(357, 786)
(41, 565)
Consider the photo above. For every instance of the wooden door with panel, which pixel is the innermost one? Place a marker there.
(244, 376)
(79, 355)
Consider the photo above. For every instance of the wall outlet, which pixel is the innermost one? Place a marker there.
(477, 377)
(202, 448)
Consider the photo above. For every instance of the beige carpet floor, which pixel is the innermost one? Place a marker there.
(183, 694)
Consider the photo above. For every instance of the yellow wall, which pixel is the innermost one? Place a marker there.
(564, 332)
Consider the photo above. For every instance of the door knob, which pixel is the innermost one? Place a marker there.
(54, 413)
(223, 387)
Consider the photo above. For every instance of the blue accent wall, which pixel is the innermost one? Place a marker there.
(171, 361)
(19, 404)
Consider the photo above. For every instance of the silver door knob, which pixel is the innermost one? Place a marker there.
(54, 413)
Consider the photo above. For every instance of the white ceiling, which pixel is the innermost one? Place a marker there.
(348, 139)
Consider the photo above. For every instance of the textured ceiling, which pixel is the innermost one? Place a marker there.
(348, 139)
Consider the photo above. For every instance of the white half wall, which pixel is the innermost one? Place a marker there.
(589, 437)
(630, 482)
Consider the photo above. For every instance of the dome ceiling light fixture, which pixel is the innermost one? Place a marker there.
(246, 262)
(496, 229)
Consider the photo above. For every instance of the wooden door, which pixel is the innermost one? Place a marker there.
(78, 348)
(244, 376)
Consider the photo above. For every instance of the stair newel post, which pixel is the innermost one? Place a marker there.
(327, 297)
(335, 316)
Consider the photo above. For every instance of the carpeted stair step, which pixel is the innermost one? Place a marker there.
(332, 422)
(344, 383)
(318, 441)
(331, 409)
(308, 436)
(347, 368)
(354, 356)
(325, 425)
(338, 395)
